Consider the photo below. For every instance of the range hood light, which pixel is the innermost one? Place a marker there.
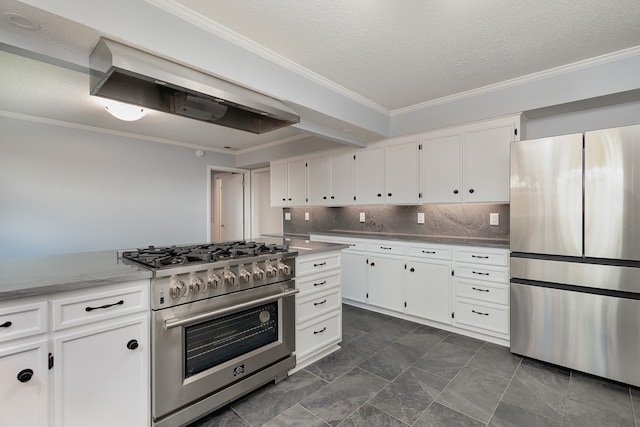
(126, 112)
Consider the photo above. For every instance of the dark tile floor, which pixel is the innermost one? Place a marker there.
(395, 373)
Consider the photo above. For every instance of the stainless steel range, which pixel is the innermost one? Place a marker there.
(223, 323)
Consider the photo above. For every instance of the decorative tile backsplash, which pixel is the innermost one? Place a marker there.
(463, 220)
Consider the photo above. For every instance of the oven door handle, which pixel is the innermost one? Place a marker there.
(174, 323)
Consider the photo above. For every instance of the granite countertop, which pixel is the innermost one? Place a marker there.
(444, 240)
(22, 277)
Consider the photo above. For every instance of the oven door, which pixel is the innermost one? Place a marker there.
(202, 347)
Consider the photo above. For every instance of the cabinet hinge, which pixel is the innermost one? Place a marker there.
(367, 295)
(419, 195)
(306, 165)
(452, 272)
(405, 304)
(354, 157)
(367, 261)
(515, 131)
(453, 315)
(405, 266)
(354, 197)
(50, 361)
(419, 146)
(307, 199)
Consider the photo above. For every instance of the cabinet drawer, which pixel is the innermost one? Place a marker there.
(355, 246)
(482, 316)
(386, 248)
(429, 252)
(96, 306)
(317, 263)
(23, 321)
(500, 275)
(498, 258)
(318, 304)
(317, 282)
(483, 291)
(318, 334)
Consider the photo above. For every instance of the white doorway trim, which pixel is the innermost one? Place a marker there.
(246, 197)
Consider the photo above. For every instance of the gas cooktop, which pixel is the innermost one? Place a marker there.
(163, 257)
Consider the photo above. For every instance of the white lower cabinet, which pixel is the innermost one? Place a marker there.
(354, 276)
(318, 307)
(76, 358)
(385, 275)
(428, 290)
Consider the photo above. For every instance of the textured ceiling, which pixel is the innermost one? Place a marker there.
(402, 53)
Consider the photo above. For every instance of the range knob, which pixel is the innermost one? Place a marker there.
(178, 289)
(271, 271)
(197, 285)
(245, 276)
(231, 279)
(258, 273)
(284, 269)
(214, 281)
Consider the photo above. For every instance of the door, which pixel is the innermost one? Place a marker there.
(612, 202)
(230, 207)
(428, 290)
(354, 276)
(342, 180)
(546, 196)
(370, 177)
(318, 181)
(442, 169)
(401, 173)
(279, 191)
(385, 282)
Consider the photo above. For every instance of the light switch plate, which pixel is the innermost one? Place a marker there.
(306, 216)
(420, 217)
(361, 216)
(287, 216)
(494, 218)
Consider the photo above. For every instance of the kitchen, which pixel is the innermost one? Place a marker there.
(70, 186)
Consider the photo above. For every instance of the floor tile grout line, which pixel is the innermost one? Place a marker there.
(505, 391)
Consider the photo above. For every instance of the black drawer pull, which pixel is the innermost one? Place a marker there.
(386, 248)
(389, 194)
(320, 303)
(372, 264)
(480, 273)
(412, 269)
(320, 331)
(121, 302)
(471, 190)
(428, 252)
(481, 314)
(320, 265)
(479, 256)
(321, 283)
(25, 375)
(455, 191)
(479, 290)
(6, 324)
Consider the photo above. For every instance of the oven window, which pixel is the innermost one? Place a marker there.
(210, 343)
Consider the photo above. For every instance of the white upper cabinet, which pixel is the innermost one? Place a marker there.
(370, 176)
(318, 181)
(288, 183)
(442, 169)
(341, 179)
(401, 172)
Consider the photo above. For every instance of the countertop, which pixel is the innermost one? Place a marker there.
(443, 240)
(21, 277)
(302, 246)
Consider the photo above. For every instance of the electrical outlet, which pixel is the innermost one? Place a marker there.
(306, 216)
(287, 216)
(494, 218)
(361, 216)
(420, 217)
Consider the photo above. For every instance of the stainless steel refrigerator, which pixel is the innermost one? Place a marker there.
(575, 251)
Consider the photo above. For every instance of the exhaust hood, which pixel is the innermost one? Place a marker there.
(128, 75)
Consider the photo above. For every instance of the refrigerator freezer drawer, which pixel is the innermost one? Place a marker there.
(596, 334)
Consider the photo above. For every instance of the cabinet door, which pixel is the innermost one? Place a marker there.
(278, 174)
(442, 169)
(428, 290)
(100, 377)
(486, 163)
(342, 192)
(385, 282)
(354, 276)
(401, 173)
(317, 180)
(370, 177)
(297, 184)
(25, 399)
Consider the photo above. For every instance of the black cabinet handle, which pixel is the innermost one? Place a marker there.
(479, 290)
(25, 375)
(428, 252)
(290, 197)
(284, 200)
(320, 284)
(320, 265)
(320, 303)
(480, 273)
(479, 256)
(480, 313)
(324, 197)
(372, 264)
(455, 191)
(6, 324)
(412, 269)
(389, 194)
(132, 345)
(379, 195)
(471, 190)
(121, 302)
(332, 197)
(386, 248)
(320, 331)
